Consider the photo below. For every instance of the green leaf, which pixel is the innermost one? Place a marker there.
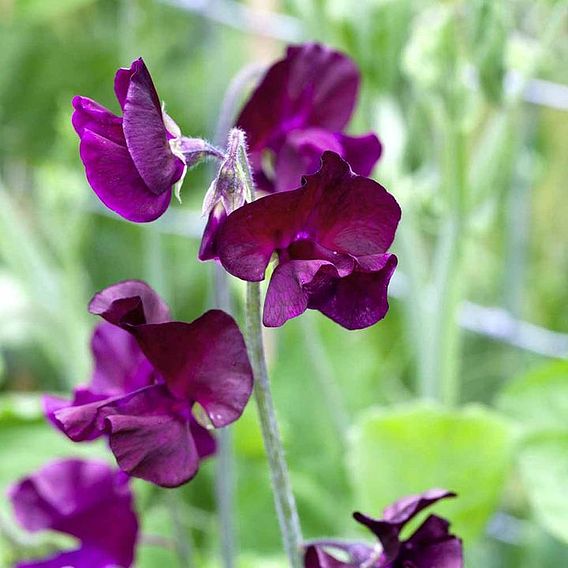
(539, 399)
(543, 464)
(411, 448)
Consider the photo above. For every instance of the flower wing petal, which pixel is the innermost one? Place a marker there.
(149, 441)
(116, 181)
(204, 361)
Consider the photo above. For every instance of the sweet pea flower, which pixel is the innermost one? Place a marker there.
(430, 546)
(331, 238)
(300, 109)
(133, 162)
(120, 368)
(149, 423)
(84, 499)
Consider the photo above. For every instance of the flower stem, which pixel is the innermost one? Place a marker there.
(283, 496)
(282, 489)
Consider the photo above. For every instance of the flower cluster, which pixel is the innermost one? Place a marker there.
(328, 227)
(430, 546)
(149, 373)
(84, 499)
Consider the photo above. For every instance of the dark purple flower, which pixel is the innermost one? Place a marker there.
(300, 109)
(149, 420)
(85, 499)
(430, 546)
(133, 162)
(331, 237)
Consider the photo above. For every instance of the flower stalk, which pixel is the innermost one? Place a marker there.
(283, 496)
(284, 500)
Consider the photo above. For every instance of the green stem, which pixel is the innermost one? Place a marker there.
(283, 496)
(441, 378)
(284, 500)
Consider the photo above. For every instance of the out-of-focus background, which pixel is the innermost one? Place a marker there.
(464, 385)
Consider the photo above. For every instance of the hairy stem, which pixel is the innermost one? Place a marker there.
(281, 487)
(283, 496)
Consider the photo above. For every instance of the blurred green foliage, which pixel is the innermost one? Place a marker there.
(431, 70)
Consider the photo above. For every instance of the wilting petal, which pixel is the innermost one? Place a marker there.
(361, 152)
(288, 294)
(86, 500)
(204, 361)
(432, 546)
(129, 303)
(397, 515)
(120, 365)
(90, 115)
(358, 300)
(351, 214)
(312, 86)
(116, 181)
(150, 441)
(145, 132)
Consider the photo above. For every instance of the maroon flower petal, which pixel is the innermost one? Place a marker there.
(145, 133)
(80, 420)
(397, 515)
(288, 293)
(351, 214)
(116, 181)
(87, 500)
(361, 152)
(120, 365)
(432, 546)
(338, 210)
(204, 441)
(203, 361)
(301, 155)
(148, 440)
(358, 300)
(129, 303)
(90, 115)
(312, 86)
(253, 232)
(315, 557)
